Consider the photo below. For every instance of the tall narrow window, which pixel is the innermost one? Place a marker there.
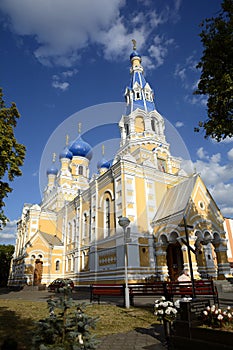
(84, 225)
(74, 231)
(127, 129)
(153, 124)
(57, 265)
(80, 170)
(107, 217)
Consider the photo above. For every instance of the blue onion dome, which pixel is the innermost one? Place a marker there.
(81, 148)
(52, 171)
(66, 154)
(104, 164)
(135, 54)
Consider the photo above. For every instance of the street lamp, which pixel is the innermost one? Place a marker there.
(124, 222)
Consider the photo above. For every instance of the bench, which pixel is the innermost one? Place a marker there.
(201, 287)
(147, 289)
(98, 290)
(159, 288)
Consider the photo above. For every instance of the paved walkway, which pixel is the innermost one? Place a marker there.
(138, 339)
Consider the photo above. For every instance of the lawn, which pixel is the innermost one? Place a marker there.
(18, 316)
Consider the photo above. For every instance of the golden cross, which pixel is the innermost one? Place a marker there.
(54, 157)
(79, 127)
(134, 44)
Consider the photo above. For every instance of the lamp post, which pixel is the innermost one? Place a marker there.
(124, 222)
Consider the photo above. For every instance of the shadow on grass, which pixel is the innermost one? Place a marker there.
(16, 328)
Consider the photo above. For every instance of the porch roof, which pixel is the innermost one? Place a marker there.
(174, 203)
(51, 239)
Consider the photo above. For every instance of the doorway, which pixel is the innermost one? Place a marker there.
(175, 260)
(38, 272)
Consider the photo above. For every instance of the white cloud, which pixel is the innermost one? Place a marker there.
(159, 49)
(179, 124)
(227, 140)
(180, 72)
(61, 30)
(217, 177)
(202, 154)
(8, 233)
(58, 79)
(59, 85)
(230, 154)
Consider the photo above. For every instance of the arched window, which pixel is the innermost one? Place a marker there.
(74, 231)
(137, 95)
(84, 225)
(57, 265)
(80, 170)
(107, 217)
(153, 124)
(69, 233)
(127, 129)
(139, 124)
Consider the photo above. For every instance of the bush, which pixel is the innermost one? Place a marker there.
(69, 329)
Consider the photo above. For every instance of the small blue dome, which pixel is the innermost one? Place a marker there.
(104, 164)
(52, 171)
(66, 154)
(135, 54)
(81, 148)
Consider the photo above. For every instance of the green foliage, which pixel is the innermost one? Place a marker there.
(12, 153)
(216, 81)
(6, 254)
(69, 329)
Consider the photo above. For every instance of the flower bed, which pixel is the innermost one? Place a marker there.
(215, 317)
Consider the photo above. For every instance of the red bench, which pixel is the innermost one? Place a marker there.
(201, 288)
(159, 288)
(98, 290)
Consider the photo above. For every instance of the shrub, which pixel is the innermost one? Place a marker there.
(68, 329)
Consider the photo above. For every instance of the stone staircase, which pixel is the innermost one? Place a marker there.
(223, 286)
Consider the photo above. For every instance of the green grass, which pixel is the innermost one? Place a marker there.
(17, 317)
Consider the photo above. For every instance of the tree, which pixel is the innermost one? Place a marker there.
(68, 327)
(12, 153)
(6, 254)
(216, 81)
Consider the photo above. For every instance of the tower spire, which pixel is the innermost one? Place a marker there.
(139, 93)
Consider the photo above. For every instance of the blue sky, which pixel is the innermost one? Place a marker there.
(59, 57)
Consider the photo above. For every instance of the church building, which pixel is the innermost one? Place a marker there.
(75, 232)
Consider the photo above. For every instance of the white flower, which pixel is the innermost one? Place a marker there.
(212, 308)
(229, 315)
(220, 317)
(205, 312)
(160, 312)
(208, 308)
(177, 303)
(163, 298)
